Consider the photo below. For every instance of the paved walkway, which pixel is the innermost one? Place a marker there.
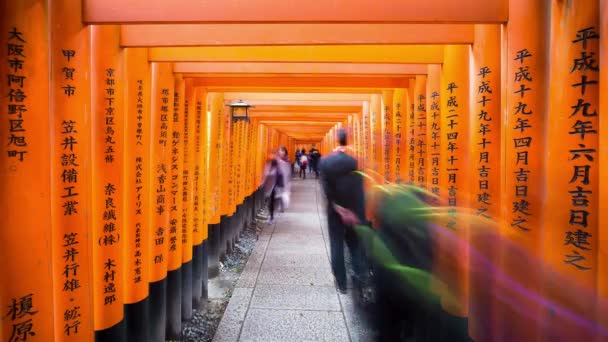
(286, 292)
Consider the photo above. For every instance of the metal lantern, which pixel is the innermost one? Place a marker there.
(240, 110)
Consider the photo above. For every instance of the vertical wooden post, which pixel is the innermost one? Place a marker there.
(411, 133)
(365, 120)
(70, 113)
(420, 129)
(199, 228)
(375, 116)
(388, 141)
(107, 183)
(484, 171)
(454, 181)
(399, 128)
(524, 171)
(137, 192)
(174, 236)
(602, 315)
(571, 210)
(433, 129)
(160, 174)
(216, 110)
(187, 195)
(26, 289)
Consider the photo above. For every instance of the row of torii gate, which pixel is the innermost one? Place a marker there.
(120, 161)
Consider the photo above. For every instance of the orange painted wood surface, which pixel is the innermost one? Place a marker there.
(163, 85)
(136, 175)
(107, 213)
(420, 130)
(399, 128)
(454, 176)
(199, 228)
(188, 192)
(387, 135)
(433, 129)
(215, 161)
(26, 287)
(293, 34)
(602, 312)
(176, 203)
(368, 11)
(70, 171)
(571, 208)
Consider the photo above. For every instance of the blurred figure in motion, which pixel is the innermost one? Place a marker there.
(303, 164)
(343, 187)
(315, 156)
(284, 191)
(274, 182)
(404, 310)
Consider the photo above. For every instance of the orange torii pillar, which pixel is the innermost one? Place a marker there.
(174, 236)
(197, 209)
(571, 207)
(524, 172)
(484, 174)
(26, 288)
(410, 133)
(137, 192)
(375, 117)
(107, 213)
(602, 314)
(160, 175)
(215, 141)
(226, 182)
(420, 129)
(388, 140)
(365, 134)
(454, 182)
(70, 168)
(187, 196)
(433, 130)
(399, 150)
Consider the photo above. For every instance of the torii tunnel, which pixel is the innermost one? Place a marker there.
(124, 176)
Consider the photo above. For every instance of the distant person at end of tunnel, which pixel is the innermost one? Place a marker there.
(303, 164)
(343, 187)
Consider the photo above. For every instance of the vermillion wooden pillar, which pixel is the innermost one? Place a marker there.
(399, 126)
(484, 172)
(524, 171)
(174, 262)
(160, 181)
(199, 174)
(70, 169)
(411, 133)
(215, 141)
(420, 130)
(26, 289)
(375, 116)
(187, 197)
(137, 192)
(226, 180)
(107, 212)
(365, 134)
(571, 209)
(602, 315)
(455, 184)
(433, 129)
(388, 141)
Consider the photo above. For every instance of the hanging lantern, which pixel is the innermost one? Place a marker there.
(240, 110)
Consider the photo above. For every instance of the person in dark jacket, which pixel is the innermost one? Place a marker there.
(315, 156)
(343, 187)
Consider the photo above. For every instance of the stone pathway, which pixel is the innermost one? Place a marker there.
(286, 292)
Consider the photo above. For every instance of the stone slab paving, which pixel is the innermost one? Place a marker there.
(286, 291)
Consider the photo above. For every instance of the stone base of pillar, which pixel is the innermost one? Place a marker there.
(213, 253)
(137, 319)
(174, 304)
(187, 291)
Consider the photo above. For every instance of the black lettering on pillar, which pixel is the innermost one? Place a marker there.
(522, 141)
(17, 142)
(412, 143)
(139, 184)
(434, 144)
(421, 142)
(452, 133)
(397, 128)
(583, 121)
(21, 313)
(484, 118)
